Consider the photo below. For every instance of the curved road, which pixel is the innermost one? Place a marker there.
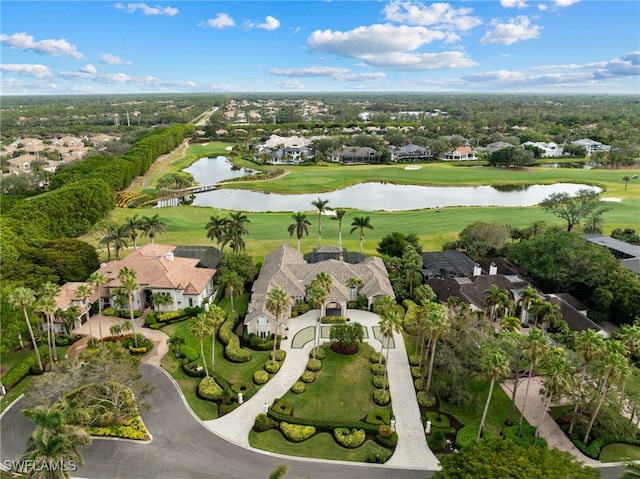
(182, 447)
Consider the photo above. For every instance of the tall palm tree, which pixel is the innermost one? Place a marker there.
(24, 298)
(437, 325)
(495, 364)
(316, 297)
(299, 227)
(47, 305)
(152, 226)
(494, 297)
(527, 296)
(340, 214)
(321, 205)
(325, 280)
(107, 231)
(360, 223)
(128, 286)
(232, 284)
(277, 303)
(97, 280)
(84, 292)
(239, 220)
(536, 348)
(116, 235)
(201, 328)
(626, 180)
(510, 323)
(52, 441)
(389, 323)
(558, 377)
(216, 228)
(133, 225)
(215, 316)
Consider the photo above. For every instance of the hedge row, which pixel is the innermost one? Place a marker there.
(324, 426)
(232, 349)
(210, 390)
(28, 365)
(296, 432)
(349, 438)
(130, 429)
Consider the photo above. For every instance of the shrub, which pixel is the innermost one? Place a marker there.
(314, 365)
(129, 429)
(350, 438)
(437, 440)
(282, 406)
(235, 354)
(379, 416)
(210, 389)
(225, 408)
(308, 377)
(333, 320)
(18, 372)
(381, 398)
(296, 432)
(137, 351)
(241, 387)
(466, 436)
(264, 423)
(279, 356)
(109, 311)
(526, 438)
(321, 353)
(192, 369)
(254, 341)
(156, 326)
(378, 369)
(380, 382)
(232, 350)
(193, 310)
(260, 377)
(414, 360)
(419, 384)
(266, 345)
(437, 419)
(391, 441)
(189, 353)
(375, 358)
(426, 399)
(298, 387)
(385, 431)
(62, 341)
(416, 372)
(272, 366)
(150, 319)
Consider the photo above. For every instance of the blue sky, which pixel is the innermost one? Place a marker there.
(94, 47)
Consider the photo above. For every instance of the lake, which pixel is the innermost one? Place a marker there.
(364, 196)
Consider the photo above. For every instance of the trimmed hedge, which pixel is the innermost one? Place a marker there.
(380, 382)
(419, 384)
(27, 366)
(379, 416)
(416, 372)
(349, 438)
(190, 369)
(333, 320)
(314, 365)
(298, 387)
(241, 387)
(426, 399)
(466, 435)
(414, 360)
(279, 356)
(272, 367)
(321, 353)
(129, 429)
(378, 369)
(324, 426)
(232, 350)
(296, 432)
(264, 423)
(439, 420)
(282, 406)
(381, 398)
(527, 436)
(189, 353)
(260, 377)
(375, 358)
(209, 389)
(391, 441)
(308, 377)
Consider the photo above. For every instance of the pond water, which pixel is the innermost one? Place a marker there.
(364, 196)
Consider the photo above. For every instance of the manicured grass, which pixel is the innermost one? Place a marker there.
(617, 452)
(321, 446)
(14, 393)
(498, 409)
(342, 390)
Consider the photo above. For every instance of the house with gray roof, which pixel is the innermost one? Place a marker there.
(627, 253)
(409, 154)
(355, 154)
(286, 268)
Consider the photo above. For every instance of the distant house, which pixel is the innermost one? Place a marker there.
(549, 150)
(575, 313)
(286, 268)
(355, 154)
(159, 269)
(495, 146)
(591, 146)
(461, 153)
(67, 298)
(447, 264)
(409, 154)
(627, 253)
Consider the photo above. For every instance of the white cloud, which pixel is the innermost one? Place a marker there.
(565, 3)
(290, 85)
(517, 30)
(23, 41)
(32, 70)
(343, 74)
(146, 9)
(223, 87)
(437, 15)
(88, 69)
(420, 61)
(110, 59)
(513, 3)
(222, 20)
(270, 23)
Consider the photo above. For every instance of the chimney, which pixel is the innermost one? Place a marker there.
(340, 257)
(477, 271)
(493, 269)
(169, 256)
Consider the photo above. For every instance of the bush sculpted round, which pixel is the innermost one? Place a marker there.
(260, 377)
(272, 366)
(314, 365)
(381, 398)
(296, 432)
(350, 438)
(298, 387)
(209, 389)
(308, 377)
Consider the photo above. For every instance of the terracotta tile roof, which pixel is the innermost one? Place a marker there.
(68, 294)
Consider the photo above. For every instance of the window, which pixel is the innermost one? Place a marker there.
(190, 302)
(353, 292)
(263, 334)
(262, 321)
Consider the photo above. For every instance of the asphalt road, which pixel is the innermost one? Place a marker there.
(182, 448)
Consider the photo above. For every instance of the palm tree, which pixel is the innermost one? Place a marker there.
(52, 441)
(550, 314)
(47, 305)
(316, 297)
(557, 372)
(632, 471)
(24, 298)
(360, 223)
(493, 298)
(495, 364)
(132, 225)
(510, 323)
(277, 303)
(299, 227)
(216, 228)
(216, 316)
(437, 325)
(128, 286)
(116, 234)
(527, 296)
(115, 329)
(239, 220)
(340, 214)
(175, 342)
(321, 205)
(84, 292)
(389, 323)
(152, 226)
(106, 231)
(536, 347)
(626, 180)
(161, 299)
(201, 328)
(97, 280)
(232, 284)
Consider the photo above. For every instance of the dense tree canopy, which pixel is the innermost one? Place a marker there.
(511, 156)
(394, 243)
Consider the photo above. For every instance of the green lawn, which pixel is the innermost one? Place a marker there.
(321, 446)
(14, 393)
(342, 390)
(619, 453)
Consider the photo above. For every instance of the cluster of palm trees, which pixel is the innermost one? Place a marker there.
(206, 324)
(317, 292)
(228, 230)
(300, 225)
(134, 226)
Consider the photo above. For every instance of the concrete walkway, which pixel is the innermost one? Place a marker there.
(412, 451)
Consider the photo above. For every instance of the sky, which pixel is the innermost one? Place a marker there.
(306, 46)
